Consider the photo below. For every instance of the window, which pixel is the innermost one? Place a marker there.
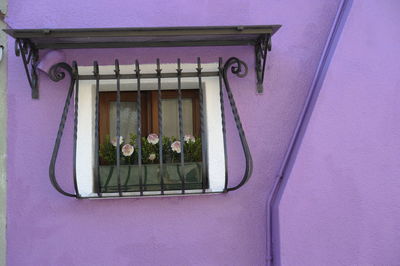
(149, 109)
(150, 180)
(174, 174)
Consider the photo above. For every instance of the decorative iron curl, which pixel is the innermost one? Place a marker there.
(237, 66)
(56, 73)
(240, 69)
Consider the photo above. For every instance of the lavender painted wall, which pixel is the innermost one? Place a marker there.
(341, 205)
(45, 228)
(3, 130)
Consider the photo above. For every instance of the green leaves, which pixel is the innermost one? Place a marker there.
(107, 152)
(150, 150)
(192, 150)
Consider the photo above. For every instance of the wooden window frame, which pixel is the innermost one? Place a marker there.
(149, 108)
(105, 99)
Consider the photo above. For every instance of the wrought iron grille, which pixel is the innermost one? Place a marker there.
(117, 184)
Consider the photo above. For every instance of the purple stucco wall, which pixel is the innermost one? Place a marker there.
(45, 228)
(341, 205)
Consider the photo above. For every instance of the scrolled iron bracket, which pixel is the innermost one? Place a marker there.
(57, 73)
(30, 56)
(240, 69)
(262, 46)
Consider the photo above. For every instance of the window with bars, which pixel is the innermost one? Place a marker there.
(131, 130)
(178, 110)
(110, 99)
(171, 136)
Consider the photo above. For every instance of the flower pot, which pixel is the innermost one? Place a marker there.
(173, 175)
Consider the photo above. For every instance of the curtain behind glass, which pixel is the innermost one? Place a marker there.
(127, 119)
(170, 117)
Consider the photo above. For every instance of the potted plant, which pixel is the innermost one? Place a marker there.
(173, 172)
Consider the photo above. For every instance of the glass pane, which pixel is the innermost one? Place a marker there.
(127, 117)
(170, 117)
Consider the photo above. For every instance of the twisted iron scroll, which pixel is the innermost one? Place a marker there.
(57, 73)
(239, 68)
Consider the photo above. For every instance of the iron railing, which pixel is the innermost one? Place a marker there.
(59, 71)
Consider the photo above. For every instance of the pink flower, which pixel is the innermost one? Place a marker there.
(176, 146)
(127, 150)
(152, 156)
(153, 138)
(189, 138)
(114, 141)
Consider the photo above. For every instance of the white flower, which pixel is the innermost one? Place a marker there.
(152, 138)
(152, 156)
(176, 146)
(189, 138)
(114, 141)
(127, 150)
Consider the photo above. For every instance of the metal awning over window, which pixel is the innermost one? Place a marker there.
(143, 37)
(28, 43)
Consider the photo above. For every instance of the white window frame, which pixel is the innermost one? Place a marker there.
(85, 153)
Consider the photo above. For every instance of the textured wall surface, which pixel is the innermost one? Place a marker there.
(341, 205)
(3, 141)
(45, 228)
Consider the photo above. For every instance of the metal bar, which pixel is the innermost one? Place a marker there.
(204, 174)
(128, 176)
(143, 31)
(96, 130)
(265, 52)
(30, 53)
(181, 137)
(145, 178)
(118, 153)
(108, 179)
(126, 195)
(151, 76)
(261, 50)
(139, 125)
(221, 99)
(56, 74)
(133, 44)
(76, 103)
(32, 76)
(239, 68)
(160, 126)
